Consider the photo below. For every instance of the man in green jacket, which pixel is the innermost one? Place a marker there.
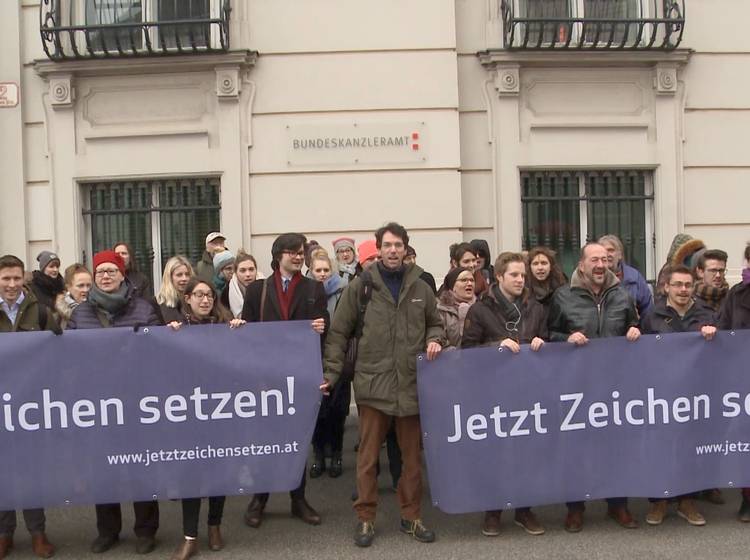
(400, 321)
(20, 311)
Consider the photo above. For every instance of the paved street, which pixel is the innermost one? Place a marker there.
(282, 537)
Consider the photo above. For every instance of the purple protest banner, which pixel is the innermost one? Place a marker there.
(658, 417)
(110, 415)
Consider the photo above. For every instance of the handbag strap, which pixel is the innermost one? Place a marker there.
(263, 293)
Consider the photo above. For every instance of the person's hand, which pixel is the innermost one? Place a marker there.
(236, 323)
(633, 334)
(578, 338)
(325, 388)
(433, 349)
(536, 343)
(174, 325)
(708, 332)
(319, 325)
(511, 345)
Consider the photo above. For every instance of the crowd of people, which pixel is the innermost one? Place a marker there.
(376, 310)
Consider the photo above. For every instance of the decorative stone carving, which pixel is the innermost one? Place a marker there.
(61, 91)
(508, 80)
(228, 82)
(666, 80)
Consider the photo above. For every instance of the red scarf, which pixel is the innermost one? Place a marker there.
(285, 298)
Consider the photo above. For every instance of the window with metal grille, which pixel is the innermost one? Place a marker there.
(158, 218)
(593, 24)
(563, 210)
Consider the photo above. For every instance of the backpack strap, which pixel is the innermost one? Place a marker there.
(365, 295)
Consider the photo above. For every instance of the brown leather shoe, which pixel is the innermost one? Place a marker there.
(713, 496)
(215, 542)
(6, 545)
(526, 519)
(303, 510)
(491, 525)
(622, 516)
(187, 549)
(41, 546)
(574, 520)
(254, 513)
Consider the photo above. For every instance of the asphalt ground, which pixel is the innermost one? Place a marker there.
(458, 536)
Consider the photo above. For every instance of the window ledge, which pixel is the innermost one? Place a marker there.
(154, 65)
(570, 58)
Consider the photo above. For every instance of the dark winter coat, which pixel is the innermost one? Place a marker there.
(141, 284)
(309, 301)
(735, 310)
(489, 319)
(662, 318)
(46, 289)
(576, 309)
(136, 312)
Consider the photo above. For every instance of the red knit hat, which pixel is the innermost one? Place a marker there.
(109, 257)
(367, 250)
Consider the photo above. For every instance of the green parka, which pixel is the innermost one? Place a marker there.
(385, 374)
(28, 317)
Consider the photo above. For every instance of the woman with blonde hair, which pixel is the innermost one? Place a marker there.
(177, 272)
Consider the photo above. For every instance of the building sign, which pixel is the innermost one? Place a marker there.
(8, 94)
(353, 144)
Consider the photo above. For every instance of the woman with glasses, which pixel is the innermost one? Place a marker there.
(201, 307)
(113, 302)
(507, 316)
(346, 258)
(177, 272)
(454, 303)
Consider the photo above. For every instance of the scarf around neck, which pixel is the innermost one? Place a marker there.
(110, 304)
(711, 295)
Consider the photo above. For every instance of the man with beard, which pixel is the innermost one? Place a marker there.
(594, 305)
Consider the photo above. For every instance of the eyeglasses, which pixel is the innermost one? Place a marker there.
(344, 250)
(680, 285)
(200, 295)
(299, 254)
(717, 271)
(111, 272)
(465, 280)
(396, 245)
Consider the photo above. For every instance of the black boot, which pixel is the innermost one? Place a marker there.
(319, 464)
(336, 467)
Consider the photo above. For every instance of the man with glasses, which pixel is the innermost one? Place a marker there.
(711, 272)
(507, 315)
(112, 302)
(286, 295)
(679, 312)
(594, 305)
(400, 320)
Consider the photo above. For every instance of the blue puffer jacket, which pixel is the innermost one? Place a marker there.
(137, 311)
(636, 285)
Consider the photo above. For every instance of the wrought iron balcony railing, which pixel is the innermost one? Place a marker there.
(76, 29)
(593, 24)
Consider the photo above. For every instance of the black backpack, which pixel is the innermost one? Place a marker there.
(350, 360)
